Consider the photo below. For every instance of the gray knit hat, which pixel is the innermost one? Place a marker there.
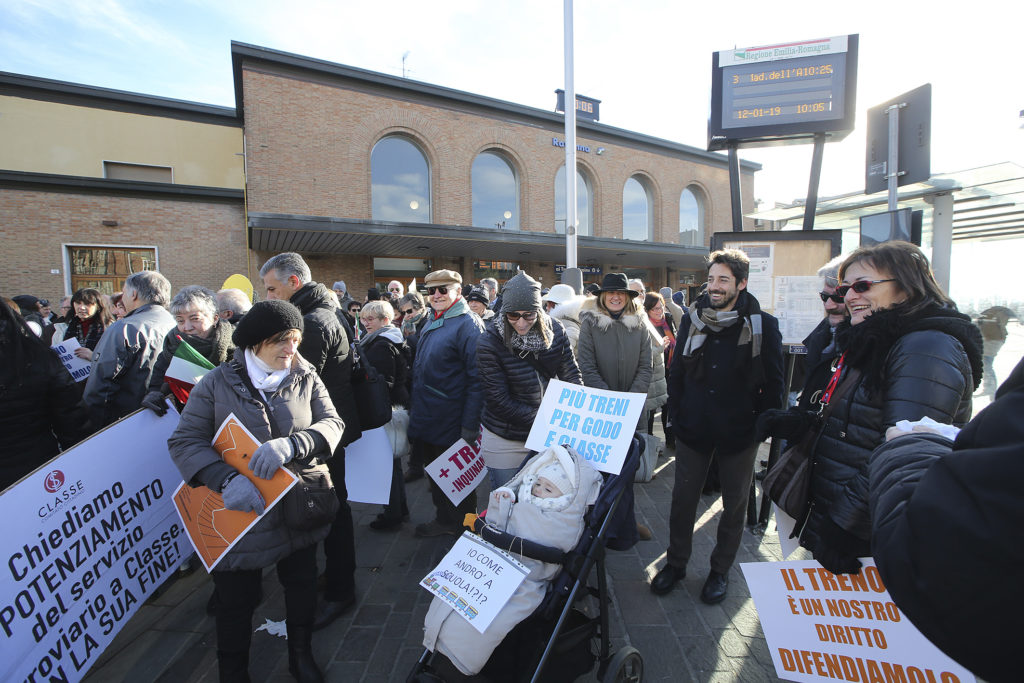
(521, 293)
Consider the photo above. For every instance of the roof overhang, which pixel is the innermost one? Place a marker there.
(313, 234)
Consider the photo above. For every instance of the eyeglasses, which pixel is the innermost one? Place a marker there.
(528, 317)
(440, 290)
(407, 311)
(860, 286)
(836, 297)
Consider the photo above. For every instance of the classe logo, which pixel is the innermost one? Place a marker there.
(54, 481)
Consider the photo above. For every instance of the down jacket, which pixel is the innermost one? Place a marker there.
(453, 636)
(512, 387)
(614, 354)
(327, 346)
(446, 394)
(913, 366)
(122, 363)
(657, 391)
(300, 404)
(946, 519)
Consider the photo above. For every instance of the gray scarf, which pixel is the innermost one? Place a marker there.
(704, 319)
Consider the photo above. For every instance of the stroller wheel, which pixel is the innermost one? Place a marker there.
(625, 666)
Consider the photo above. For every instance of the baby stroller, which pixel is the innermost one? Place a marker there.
(557, 642)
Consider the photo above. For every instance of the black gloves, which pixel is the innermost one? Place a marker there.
(836, 549)
(154, 400)
(790, 424)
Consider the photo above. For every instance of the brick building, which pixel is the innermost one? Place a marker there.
(371, 177)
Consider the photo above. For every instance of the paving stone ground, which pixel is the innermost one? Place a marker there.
(681, 639)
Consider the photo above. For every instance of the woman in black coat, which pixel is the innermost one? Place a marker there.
(917, 356)
(521, 349)
(88, 318)
(383, 347)
(40, 408)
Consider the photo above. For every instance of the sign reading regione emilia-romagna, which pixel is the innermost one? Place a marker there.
(783, 93)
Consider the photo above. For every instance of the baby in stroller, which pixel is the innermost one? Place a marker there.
(544, 503)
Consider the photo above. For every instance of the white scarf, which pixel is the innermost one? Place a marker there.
(263, 377)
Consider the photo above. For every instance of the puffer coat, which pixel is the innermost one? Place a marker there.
(328, 347)
(446, 394)
(917, 366)
(300, 404)
(657, 392)
(512, 387)
(614, 354)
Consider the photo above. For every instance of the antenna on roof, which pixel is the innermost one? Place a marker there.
(404, 55)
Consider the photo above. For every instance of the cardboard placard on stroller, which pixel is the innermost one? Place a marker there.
(458, 471)
(822, 626)
(598, 423)
(476, 579)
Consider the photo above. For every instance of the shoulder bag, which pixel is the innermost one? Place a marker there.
(373, 398)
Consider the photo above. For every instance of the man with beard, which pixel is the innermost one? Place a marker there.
(728, 369)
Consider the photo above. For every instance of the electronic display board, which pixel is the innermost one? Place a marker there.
(783, 93)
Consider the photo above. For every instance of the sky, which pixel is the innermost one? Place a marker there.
(648, 61)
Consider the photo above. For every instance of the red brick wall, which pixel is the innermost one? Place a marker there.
(198, 242)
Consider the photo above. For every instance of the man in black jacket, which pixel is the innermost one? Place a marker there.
(727, 369)
(327, 345)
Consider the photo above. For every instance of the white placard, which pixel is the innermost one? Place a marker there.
(87, 538)
(822, 626)
(598, 423)
(369, 464)
(458, 471)
(785, 524)
(760, 281)
(476, 579)
(78, 367)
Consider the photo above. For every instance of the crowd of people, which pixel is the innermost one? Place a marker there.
(472, 362)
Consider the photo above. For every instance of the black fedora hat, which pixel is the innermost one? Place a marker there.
(617, 282)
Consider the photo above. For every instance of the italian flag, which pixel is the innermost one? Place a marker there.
(186, 369)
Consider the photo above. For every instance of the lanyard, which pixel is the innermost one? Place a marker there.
(827, 395)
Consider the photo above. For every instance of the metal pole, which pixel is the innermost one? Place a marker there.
(942, 237)
(734, 188)
(570, 144)
(811, 207)
(892, 165)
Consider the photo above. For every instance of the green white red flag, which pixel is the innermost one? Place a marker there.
(186, 369)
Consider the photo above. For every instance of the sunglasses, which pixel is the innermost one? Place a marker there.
(407, 311)
(440, 290)
(836, 298)
(528, 317)
(860, 286)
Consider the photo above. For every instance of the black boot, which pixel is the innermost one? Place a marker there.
(233, 667)
(300, 655)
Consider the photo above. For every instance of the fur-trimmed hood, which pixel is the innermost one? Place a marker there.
(590, 309)
(867, 345)
(569, 309)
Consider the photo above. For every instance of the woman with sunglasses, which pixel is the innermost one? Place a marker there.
(521, 350)
(916, 357)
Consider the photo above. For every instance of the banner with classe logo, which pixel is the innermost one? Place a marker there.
(87, 538)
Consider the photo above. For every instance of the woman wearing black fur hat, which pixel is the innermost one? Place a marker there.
(917, 356)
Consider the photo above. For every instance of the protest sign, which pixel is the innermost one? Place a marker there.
(823, 626)
(87, 539)
(785, 525)
(368, 468)
(458, 471)
(598, 423)
(211, 527)
(78, 367)
(476, 579)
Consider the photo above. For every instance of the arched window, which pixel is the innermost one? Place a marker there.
(495, 198)
(691, 217)
(584, 203)
(637, 218)
(400, 182)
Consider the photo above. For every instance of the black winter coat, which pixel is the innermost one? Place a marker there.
(817, 366)
(913, 366)
(40, 407)
(512, 387)
(946, 520)
(327, 347)
(387, 358)
(718, 411)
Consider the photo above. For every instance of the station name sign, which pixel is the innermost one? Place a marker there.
(788, 92)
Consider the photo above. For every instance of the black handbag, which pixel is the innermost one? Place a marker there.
(788, 481)
(372, 394)
(312, 502)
